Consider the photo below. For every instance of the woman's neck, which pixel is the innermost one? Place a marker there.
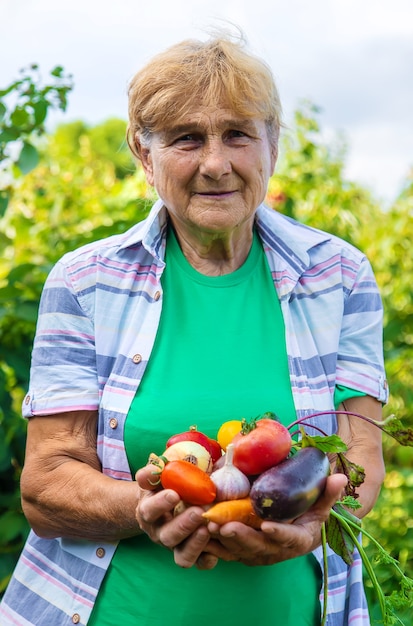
(215, 253)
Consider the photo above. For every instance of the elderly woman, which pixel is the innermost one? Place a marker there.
(213, 308)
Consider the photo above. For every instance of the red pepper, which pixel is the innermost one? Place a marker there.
(193, 485)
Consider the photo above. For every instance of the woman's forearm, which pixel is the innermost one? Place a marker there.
(64, 492)
(364, 441)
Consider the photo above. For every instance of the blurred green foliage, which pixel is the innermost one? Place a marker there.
(86, 186)
(24, 106)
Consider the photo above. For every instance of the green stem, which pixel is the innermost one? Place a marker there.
(379, 547)
(348, 525)
(325, 574)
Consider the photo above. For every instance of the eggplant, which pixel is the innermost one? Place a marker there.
(288, 489)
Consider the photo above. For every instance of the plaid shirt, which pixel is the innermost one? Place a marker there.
(98, 318)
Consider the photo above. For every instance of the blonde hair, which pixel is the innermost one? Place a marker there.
(193, 72)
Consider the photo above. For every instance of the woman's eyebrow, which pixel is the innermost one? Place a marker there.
(242, 124)
(182, 128)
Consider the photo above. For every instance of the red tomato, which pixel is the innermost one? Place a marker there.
(193, 434)
(265, 443)
(192, 484)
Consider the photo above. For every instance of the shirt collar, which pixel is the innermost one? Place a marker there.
(149, 232)
(289, 240)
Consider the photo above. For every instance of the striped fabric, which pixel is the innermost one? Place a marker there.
(99, 314)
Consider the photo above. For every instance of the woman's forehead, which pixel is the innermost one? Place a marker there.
(205, 114)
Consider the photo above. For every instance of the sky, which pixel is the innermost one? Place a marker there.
(351, 58)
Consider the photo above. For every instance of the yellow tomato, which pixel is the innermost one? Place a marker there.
(227, 432)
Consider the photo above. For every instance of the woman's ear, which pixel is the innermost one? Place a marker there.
(146, 159)
(274, 157)
(274, 138)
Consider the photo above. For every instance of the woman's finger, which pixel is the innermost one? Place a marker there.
(148, 477)
(187, 553)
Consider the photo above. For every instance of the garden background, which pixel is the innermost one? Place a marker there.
(62, 189)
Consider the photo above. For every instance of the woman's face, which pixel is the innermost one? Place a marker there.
(211, 169)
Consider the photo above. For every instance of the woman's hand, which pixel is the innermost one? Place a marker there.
(275, 541)
(193, 543)
(185, 534)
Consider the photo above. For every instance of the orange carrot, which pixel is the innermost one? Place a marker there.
(240, 510)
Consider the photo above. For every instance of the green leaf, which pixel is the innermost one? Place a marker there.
(339, 540)
(10, 88)
(3, 110)
(355, 474)
(40, 111)
(9, 133)
(4, 201)
(350, 502)
(20, 272)
(28, 158)
(395, 428)
(20, 117)
(328, 444)
(9, 292)
(57, 71)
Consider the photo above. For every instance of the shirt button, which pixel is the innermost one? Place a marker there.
(76, 618)
(27, 400)
(157, 295)
(100, 552)
(113, 422)
(137, 358)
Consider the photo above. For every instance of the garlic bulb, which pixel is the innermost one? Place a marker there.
(230, 482)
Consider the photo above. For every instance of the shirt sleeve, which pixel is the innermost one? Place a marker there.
(341, 394)
(63, 374)
(360, 363)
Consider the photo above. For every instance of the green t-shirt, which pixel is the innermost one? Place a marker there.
(219, 354)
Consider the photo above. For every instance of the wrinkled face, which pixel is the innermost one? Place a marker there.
(211, 169)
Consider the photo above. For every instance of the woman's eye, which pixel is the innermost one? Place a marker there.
(238, 136)
(188, 139)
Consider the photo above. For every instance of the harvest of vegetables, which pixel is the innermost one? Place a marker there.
(261, 474)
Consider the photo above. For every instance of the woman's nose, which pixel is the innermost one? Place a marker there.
(215, 161)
